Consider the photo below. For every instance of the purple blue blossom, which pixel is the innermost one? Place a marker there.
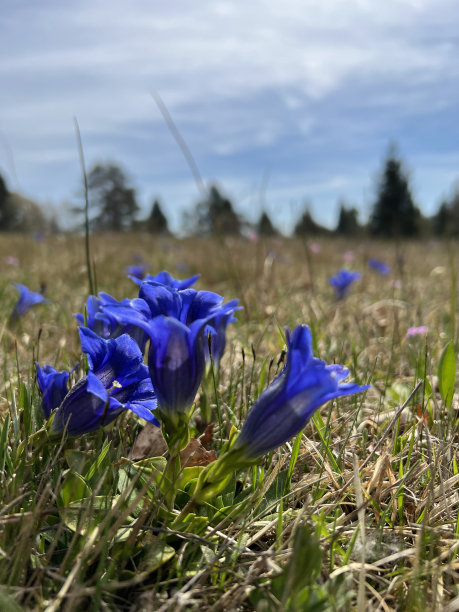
(53, 386)
(137, 271)
(105, 325)
(117, 380)
(285, 407)
(27, 299)
(164, 278)
(379, 266)
(342, 281)
(178, 325)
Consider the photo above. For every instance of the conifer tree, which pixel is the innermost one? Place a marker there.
(265, 226)
(394, 212)
(157, 221)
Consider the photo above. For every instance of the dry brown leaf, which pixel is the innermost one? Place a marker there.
(207, 437)
(195, 454)
(149, 443)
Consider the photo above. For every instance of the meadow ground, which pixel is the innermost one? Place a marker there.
(359, 512)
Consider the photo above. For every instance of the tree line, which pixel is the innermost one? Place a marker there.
(114, 207)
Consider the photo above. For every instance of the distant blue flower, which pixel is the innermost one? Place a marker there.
(99, 320)
(137, 271)
(27, 299)
(285, 407)
(379, 266)
(182, 266)
(342, 281)
(164, 278)
(53, 386)
(38, 236)
(117, 380)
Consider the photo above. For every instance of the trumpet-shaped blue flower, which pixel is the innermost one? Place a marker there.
(217, 344)
(105, 325)
(342, 281)
(176, 362)
(136, 271)
(178, 330)
(117, 380)
(27, 299)
(178, 325)
(285, 407)
(164, 278)
(53, 386)
(379, 266)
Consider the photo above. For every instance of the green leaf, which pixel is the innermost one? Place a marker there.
(83, 515)
(191, 523)
(79, 461)
(96, 470)
(447, 374)
(151, 473)
(74, 487)
(189, 474)
(156, 553)
(427, 388)
(293, 460)
(7, 603)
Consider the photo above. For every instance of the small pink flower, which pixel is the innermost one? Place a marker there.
(252, 236)
(314, 248)
(416, 331)
(11, 260)
(349, 256)
(396, 284)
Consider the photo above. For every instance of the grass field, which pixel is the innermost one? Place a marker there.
(359, 512)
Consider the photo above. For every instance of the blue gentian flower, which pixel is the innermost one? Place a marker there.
(178, 326)
(164, 278)
(219, 323)
(136, 271)
(176, 362)
(117, 380)
(379, 266)
(181, 322)
(27, 299)
(99, 320)
(342, 281)
(285, 407)
(53, 386)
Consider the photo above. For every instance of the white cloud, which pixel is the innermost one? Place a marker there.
(239, 78)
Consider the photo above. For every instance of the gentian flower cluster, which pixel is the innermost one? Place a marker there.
(116, 381)
(27, 299)
(342, 281)
(185, 327)
(186, 330)
(178, 324)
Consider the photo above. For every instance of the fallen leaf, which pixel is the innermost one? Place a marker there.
(149, 443)
(207, 437)
(195, 454)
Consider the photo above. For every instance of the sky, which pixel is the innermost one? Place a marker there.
(282, 104)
